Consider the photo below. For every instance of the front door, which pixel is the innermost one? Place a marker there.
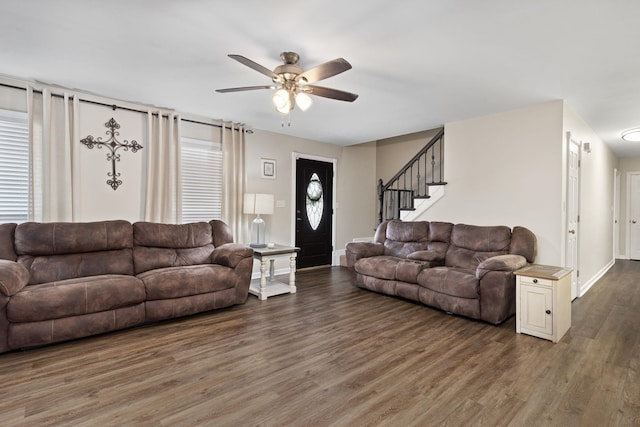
(314, 212)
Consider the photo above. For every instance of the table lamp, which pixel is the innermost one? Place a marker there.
(258, 204)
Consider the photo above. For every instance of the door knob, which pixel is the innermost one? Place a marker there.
(548, 311)
(572, 231)
(633, 221)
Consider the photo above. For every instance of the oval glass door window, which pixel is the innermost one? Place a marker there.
(315, 201)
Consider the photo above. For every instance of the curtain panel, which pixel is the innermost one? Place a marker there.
(163, 198)
(234, 179)
(53, 157)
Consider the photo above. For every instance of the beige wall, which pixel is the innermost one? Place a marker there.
(393, 153)
(506, 169)
(596, 251)
(354, 190)
(510, 168)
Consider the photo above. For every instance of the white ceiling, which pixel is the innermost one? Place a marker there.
(417, 64)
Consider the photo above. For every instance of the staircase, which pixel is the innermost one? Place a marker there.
(414, 183)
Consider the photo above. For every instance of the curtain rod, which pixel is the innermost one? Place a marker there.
(114, 107)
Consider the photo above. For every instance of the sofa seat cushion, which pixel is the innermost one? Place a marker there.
(176, 282)
(74, 297)
(391, 268)
(456, 282)
(381, 267)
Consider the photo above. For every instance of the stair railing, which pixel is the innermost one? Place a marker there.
(412, 182)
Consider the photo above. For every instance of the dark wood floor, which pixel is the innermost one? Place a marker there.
(333, 354)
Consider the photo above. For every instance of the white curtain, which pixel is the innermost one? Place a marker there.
(234, 179)
(53, 131)
(162, 200)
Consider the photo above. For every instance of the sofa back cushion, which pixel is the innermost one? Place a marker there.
(405, 237)
(472, 244)
(170, 245)
(221, 233)
(524, 242)
(7, 233)
(62, 250)
(439, 236)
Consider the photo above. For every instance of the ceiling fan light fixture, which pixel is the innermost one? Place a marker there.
(303, 101)
(282, 100)
(631, 135)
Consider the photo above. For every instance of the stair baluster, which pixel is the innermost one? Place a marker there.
(399, 193)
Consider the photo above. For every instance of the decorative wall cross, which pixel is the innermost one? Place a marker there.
(113, 144)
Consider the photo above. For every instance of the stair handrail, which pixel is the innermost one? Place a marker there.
(382, 188)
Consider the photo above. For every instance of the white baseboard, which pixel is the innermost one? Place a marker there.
(586, 286)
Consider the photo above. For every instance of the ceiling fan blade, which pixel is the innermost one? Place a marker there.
(254, 65)
(240, 89)
(326, 70)
(326, 92)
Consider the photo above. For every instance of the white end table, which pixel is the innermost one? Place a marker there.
(543, 301)
(266, 287)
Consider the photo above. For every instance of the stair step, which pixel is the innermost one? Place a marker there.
(407, 209)
(422, 197)
(437, 183)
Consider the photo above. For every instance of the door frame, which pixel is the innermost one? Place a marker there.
(575, 290)
(334, 205)
(627, 226)
(616, 213)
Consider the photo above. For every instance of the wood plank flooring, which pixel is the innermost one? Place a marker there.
(337, 355)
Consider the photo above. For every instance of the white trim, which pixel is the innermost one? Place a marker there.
(616, 212)
(586, 286)
(564, 255)
(334, 202)
(277, 272)
(627, 254)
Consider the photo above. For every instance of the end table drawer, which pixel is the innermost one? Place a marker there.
(525, 280)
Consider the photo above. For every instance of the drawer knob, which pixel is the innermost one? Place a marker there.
(535, 280)
(548, 311)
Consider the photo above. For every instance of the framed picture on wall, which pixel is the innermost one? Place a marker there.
(268, 168)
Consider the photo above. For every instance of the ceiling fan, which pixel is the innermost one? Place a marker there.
(293, 83)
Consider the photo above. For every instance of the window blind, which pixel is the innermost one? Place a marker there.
(201, 170)
(14, 166)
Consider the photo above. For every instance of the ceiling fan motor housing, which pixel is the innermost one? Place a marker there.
(290, 69)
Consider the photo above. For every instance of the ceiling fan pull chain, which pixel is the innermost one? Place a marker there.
(288, 116)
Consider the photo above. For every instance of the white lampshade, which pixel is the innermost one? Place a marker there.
(260, 204)
(283, 101)
(303, 101)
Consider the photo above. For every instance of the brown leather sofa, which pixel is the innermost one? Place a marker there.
(461, 269)
(60, 281)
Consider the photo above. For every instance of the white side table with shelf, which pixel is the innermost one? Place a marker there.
(543, 301)
(266, 287)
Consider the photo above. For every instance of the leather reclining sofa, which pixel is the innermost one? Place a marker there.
(461, 269)
(60, 281)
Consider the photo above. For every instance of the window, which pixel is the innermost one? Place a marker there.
(201, 168)
(14, 166)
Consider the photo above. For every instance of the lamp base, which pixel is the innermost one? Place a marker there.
(257, 233)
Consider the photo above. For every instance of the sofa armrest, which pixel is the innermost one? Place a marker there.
(434, 257)
(230, 254)
(500, 263)
(356, 250)
(13, 277)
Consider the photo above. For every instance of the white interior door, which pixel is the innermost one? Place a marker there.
(616, 213)
(573, 214)
(634, 216)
